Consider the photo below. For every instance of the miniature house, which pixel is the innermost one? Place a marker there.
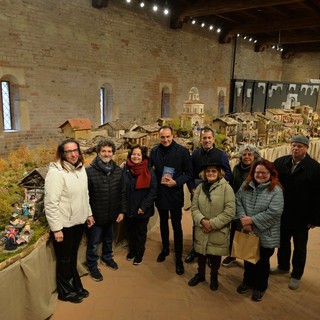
(226, 126)
(248, 130)
(193, 110)
(117, 128)
(78, 128)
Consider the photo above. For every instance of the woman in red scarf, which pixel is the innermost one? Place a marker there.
(141, 193)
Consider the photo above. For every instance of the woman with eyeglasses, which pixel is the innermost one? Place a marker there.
(259, 208)
(213, 208)
(67, 210)
(248, 154)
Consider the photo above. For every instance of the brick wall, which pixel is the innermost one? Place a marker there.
(61, 52)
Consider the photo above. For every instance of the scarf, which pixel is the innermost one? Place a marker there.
(206, 189)
(105, 167)
(142, 173)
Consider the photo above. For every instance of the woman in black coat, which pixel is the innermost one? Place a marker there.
(141, 185)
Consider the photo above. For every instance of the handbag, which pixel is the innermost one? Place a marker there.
(246, 246)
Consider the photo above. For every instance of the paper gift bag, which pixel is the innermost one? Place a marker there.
(246, 246)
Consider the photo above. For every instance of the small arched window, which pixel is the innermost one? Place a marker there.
(165, 102)
(106, 103)
(9, 104)
(221, 110)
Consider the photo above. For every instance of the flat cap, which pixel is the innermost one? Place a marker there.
(300, 139)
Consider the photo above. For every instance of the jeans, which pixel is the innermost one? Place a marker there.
(95, 234)
(175, 215)
(300, 240)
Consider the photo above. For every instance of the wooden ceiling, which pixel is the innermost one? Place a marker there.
(290, 25)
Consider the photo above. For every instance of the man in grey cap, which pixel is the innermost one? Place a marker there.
(299, 175)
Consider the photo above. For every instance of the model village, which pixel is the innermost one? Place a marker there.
(273, 127)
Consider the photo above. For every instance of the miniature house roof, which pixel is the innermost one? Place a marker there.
(118, 125)
(78, 124)
(228, 120)
(35, 179)
(276, 111)
(150, 128)
(134, 135)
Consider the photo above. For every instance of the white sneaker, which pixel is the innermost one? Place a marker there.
(294, 284)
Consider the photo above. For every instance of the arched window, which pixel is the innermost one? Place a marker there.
(106, 103)
(9, 104)
(165, 102)
(221, 110)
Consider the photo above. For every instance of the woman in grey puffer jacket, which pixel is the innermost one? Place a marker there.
(259, 208)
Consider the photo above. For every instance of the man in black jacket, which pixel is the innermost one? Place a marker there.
(107, 191)
(173, 168)
(299, 175)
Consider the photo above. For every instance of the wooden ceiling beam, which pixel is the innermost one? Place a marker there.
(205, 7)
(284, 24)
(288, 39)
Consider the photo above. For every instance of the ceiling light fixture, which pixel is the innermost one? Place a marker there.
(193, 21)
(211, 27)
(128, 1)
(141, 4)
(155, 8)
(166, 11)
(203, 24)
(218, 30)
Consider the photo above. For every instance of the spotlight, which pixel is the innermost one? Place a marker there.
(218, 30)
(273, 47)
(155, 8)
(250, 39)
(238, 35)
(166, 11)
(245, 37)
(255, 41)
(141, 4)
(128, 1)
(193, 21)
(203, 24)
(211, 27)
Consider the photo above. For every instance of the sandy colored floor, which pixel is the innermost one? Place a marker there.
(154, 291)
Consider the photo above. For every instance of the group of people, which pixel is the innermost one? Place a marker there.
(258, 196)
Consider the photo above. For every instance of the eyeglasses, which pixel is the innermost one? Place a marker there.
(211, 171)
(262, 173)
(71, 151)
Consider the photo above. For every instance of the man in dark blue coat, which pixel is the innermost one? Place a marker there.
(207, 153)
(299, 175)
(173, 168)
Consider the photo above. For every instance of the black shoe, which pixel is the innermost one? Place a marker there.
(83, 293)
(190, 257)
(163, 254)
(243, 288)
(209, 263)
(214, 282)
(257, 295)
(72, 298)
(137, 260)
(179, 268)
(96, 275)
(130, 256)
(110, 264)
(227, 261)
(196, 280)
